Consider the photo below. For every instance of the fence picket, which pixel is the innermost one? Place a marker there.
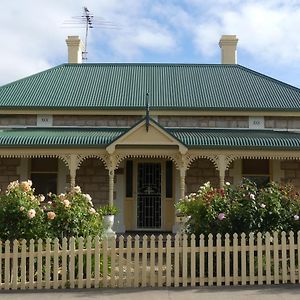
(276, 258)
(136, 261)
(176, 260)
(201, 259)
(292, 257)
(184, 260)
(105, 261)
(251, 258)
(210, 260)
(235, 259)
(14, 278)
(268, 258)
(31, 264)
(7, 265)
(227, 259)
(23, 265)
(168, 261)
(113, 262)
(144, 261)
(56, 256)
(80, 262)
(219, 259)
(72, 262)
(243, 259)
(160, 261)
(283, 257)
(121, 261)
(88, 262)
(128, 262)
(193, 260)
(152, 261)
(64, 269)
(259, 259)
(40, 264)
(97, 262)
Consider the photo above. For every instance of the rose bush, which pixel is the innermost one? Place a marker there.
(243, 208)
(24, 215)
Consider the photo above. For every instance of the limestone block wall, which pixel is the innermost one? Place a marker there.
(204, 121)
(282, 122)
(9, 171)
(17, 120)
(92, 177)
(82, 120)
(290, 170)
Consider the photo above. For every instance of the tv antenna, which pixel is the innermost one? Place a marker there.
(88, 21)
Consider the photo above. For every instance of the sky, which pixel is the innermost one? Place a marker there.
(33, 33)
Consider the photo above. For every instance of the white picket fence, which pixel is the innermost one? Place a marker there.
(150, 261)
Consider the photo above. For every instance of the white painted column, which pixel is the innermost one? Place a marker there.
(111, 174)
(222, 168)
(73, 167)
(182, 182)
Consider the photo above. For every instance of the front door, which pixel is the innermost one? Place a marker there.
(149, 195)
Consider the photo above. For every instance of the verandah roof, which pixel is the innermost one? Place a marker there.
(192, 138)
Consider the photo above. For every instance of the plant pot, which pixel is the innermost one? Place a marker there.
(108, 222)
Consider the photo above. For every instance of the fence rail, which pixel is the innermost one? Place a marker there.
(151, 261)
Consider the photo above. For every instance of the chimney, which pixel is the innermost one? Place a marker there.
(75, 49)
(228, 49)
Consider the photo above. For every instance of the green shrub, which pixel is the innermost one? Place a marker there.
(243, 208)
(24, 215)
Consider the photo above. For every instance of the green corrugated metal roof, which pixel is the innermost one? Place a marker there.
(171, 86)
(55, 137)
(192, 138)
(238, 138)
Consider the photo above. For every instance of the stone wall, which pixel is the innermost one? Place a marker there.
(76, 120)
(204, 121)
(17, 120)
(92, 177)
(282, 122)
(9, 171)
(290, 170)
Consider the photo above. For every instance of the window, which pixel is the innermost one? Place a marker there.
(257, 170)
(44, 175)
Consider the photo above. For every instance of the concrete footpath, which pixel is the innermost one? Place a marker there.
(282, 292)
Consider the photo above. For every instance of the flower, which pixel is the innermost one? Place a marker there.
(21, 208)
(92, 210)
(296, 217)
(31, 213)
(67, 203)
(263, 205)
(252, 196)
(62, 196)
(77, 189)
(51, 215)
(25, 186)
(41, 198)
(13, 185)
(221, 216)
(227, 183)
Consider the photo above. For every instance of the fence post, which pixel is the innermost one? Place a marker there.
(64, 268)
(243, 259)
(55, 263)
(14, 278)
(227, 259)
(128, 262)
(113, 261)
(193, 260)
(97, 262)
(160, 261)
(219, 259)
(152, 261)
(169, 261)
(80, 262)
(23, 265)
(251, 258)
(137, 261)
(88, 261)
(268, 258)
(201, 259)
(284, 257)
(276, 258)
(31, 263)
(292, 257)
(259, 259)
(235, 259)
(144, 261)
(210, 258)
(176, 260)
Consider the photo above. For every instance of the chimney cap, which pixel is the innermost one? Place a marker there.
(75, 49)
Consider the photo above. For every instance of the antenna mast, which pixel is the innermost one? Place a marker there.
(88, 21)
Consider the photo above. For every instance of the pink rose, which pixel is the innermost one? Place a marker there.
(31, 213)
(51, 215)
(221, 216)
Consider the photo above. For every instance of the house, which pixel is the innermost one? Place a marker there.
(142, 136)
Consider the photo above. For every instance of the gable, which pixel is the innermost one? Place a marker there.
(140, 136)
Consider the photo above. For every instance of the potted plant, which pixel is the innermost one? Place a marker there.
(108, 213)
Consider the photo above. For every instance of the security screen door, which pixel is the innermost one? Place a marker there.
(149, 195)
